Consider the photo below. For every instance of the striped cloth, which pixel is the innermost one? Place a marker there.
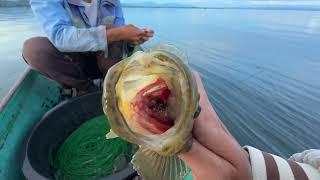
(270, 167)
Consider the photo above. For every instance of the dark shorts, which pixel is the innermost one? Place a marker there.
(73, 70)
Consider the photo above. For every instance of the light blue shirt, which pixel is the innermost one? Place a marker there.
(68, 28)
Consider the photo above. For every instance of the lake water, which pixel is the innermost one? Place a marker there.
(261, 68)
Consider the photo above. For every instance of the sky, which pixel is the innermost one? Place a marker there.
(219, 2)
(172, 1)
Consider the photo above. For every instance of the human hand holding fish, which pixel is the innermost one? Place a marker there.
(151, 99)
(214, 152)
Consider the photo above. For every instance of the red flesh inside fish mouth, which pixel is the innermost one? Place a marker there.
(151, 104)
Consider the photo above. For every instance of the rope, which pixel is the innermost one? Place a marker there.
(87, 154)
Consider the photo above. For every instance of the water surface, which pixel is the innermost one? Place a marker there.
(16, 25)
(261, 68)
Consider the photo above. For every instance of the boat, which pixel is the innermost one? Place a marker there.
(31, 97)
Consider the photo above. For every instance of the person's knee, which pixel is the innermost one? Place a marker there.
(34, 49)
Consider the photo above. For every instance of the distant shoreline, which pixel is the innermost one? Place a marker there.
(244, 8)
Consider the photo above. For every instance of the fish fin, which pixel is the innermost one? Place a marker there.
(111, 135)
(152, 166)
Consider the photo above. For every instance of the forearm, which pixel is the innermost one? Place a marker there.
(72, 39)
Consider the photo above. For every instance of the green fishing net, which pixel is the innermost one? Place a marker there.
(87, 154)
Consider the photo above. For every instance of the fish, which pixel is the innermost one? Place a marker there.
(151, 100)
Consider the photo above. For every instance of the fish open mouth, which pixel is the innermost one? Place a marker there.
(152, 105)
(151, 94)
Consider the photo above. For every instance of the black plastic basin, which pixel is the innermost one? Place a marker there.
(49, 134)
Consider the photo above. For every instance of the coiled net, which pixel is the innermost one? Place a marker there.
(87, 154)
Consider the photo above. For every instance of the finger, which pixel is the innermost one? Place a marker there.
(202, 161)
(149, 32)
(138, 42)
(137, 38)
(144, 39)
(150, 35)
(135, 42)
(145, 30)
(140, 32)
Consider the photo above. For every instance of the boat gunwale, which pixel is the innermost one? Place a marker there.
(12, 91)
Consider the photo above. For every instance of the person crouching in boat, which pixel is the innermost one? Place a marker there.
(84, 39)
